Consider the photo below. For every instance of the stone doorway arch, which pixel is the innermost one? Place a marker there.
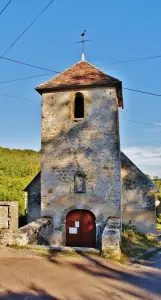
(80, 228)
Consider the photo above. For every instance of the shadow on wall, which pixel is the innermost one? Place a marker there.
(138, 190)
(144, 221)
(138, 197)
(80, 144)
(22, 221)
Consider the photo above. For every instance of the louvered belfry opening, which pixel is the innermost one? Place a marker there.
(79, 106)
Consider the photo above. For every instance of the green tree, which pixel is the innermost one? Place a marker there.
(17, 169)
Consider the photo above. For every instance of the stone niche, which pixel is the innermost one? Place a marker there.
(79, 183)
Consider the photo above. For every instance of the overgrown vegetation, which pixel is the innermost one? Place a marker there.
(159, 223)
(156, 180)
(135, 243)
(18, 247)
(17, 169)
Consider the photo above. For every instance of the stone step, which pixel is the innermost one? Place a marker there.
(66, 249)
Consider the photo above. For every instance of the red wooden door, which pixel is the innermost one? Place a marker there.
(80, 229)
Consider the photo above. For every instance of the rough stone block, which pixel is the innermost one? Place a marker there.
(38, 232)
(4, 217)
(111, 241)
(56, 239)
(9, 215)
(114, 222)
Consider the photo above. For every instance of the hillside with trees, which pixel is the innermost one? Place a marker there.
(17, 168)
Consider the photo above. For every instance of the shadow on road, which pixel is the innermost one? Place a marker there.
(127, 279)
(73, 277)
(34, 294)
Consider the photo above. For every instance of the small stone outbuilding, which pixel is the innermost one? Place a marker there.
(138, 197)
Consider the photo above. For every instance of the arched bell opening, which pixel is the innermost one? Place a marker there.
(79, 106)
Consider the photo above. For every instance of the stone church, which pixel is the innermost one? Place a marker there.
(86, 184)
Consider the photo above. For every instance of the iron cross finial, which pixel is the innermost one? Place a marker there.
(83, 41)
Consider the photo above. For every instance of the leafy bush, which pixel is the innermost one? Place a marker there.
(159, 219)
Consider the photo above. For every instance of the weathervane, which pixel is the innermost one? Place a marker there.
(83, 41)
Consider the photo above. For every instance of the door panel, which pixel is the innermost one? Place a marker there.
(80, 229)
(88, 230)
(73, 239)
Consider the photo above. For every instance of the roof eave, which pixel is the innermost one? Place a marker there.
(26, 188)
(118, 85)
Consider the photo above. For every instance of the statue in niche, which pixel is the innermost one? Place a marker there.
(79, 183)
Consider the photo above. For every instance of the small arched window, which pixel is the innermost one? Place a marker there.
(79, 106)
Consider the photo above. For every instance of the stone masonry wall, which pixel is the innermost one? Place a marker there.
(4, 217)
(34, 199)
(8, 220)
(138, 197)
(9, 214)
(90, 145)
(38, 233)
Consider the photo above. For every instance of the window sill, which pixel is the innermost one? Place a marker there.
(78, 119)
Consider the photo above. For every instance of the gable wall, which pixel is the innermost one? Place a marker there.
(138, 197)
(91, 145)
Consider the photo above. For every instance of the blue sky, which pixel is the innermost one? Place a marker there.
(119, 30)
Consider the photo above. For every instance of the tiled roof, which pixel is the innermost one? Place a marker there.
(82, 73)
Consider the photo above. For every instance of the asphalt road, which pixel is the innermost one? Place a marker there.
(26, 276)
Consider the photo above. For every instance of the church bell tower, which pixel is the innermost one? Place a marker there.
(80, 163)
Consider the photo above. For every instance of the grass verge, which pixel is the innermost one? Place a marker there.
(135, 243)
(18, 247)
